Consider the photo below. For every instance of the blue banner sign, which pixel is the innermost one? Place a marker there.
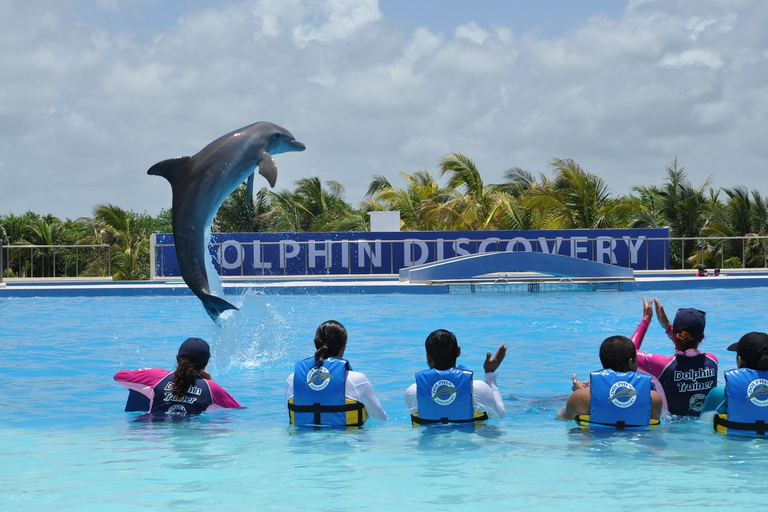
(366, 253)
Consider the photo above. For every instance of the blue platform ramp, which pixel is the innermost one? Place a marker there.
(475, 265)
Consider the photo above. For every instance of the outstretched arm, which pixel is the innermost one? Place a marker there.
(492, 364)
(642, 328)
(662, 316)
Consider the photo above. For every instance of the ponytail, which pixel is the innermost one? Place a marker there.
(762, 362)
(185, 375)
(684, 341)
(321, 355)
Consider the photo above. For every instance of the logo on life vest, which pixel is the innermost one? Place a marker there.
(444, 392)
(318, 378)
(696, 403)
(758, 388)
(622, 394)
(176, 410)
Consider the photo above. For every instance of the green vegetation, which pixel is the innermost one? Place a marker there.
(570, 197)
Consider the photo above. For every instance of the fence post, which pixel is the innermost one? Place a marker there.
(152, 256)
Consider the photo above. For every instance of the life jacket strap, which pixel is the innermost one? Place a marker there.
(415, 420)
(316, 409)
(583, 420)
(758, 427)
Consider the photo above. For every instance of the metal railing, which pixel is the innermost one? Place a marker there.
(55, 261)
(37, 261)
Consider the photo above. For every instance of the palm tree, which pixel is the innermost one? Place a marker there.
(574, 198)
(684, 209)
(310, 207)
(417, 202)
(43, 232)
(129, 244)
(471, 204)
(743, 215)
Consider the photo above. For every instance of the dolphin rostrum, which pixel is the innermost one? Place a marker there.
(200, 184)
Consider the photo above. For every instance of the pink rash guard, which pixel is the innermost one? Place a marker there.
(145, 380)
(683, 379)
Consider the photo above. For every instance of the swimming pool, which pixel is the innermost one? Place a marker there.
(65, 441)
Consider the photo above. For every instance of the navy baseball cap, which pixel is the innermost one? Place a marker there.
(197, 349)
(750, 348)
(691, 320)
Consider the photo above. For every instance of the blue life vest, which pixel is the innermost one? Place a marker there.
(319, 397)
(687, 381)
(445, 396)
(746, 402)
(618, 400)
(196, 400)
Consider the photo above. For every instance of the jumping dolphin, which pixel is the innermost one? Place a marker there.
(202, 182)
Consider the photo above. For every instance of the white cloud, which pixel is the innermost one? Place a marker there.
(471, 31)
(86, 109)
(693, 58)
(343, 20)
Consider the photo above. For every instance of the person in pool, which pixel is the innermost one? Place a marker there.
(324, 391)
(446, 393)
(685, 378)
(747, 388)
(187, 390)
(617, 396)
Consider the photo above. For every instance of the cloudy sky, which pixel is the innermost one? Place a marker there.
(93, 93)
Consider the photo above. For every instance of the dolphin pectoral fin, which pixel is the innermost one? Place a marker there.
(169, 169)
(215, 306)
(268, 169)
(250, 187)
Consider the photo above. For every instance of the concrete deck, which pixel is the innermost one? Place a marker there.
(325, 285)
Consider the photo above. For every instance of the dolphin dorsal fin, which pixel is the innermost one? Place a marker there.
(268, 169)
(169, 169)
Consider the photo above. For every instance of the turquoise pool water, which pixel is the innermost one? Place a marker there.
(65, 442)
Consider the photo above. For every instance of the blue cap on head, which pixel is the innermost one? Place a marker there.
(691, 320)
(197, 349)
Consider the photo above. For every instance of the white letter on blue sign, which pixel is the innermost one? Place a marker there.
(288, 249)
(634, 248)
(257, 263)
(488, 241)
(315, 253)
(457, 246)
(408, 246)
(521, 241)
(223, 254)
(602, 250)
(576, 249)
(363, 248)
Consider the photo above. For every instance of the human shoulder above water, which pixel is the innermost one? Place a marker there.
(617, 396)
(741, 406)
(685, 377)
(446, 392)
(323, 390)
(187, 390)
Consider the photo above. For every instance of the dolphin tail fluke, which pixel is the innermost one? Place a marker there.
(215, 306)
(169, 169)
(268, 169)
